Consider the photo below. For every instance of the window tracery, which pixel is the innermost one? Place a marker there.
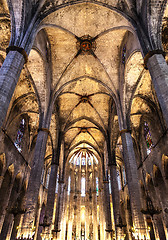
(20, 134)
(119, 180)
(48, 177)
(148, 137)
(69, 185)
(97, 186)
(83, 187)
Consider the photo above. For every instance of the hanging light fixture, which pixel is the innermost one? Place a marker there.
(151, 210)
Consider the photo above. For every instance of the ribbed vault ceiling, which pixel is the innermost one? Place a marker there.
(87, 80)
(76, 67)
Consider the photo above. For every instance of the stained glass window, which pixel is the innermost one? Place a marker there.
(48, 177)
(97, 186)
(69, 185)
(83, 187)
(109, 183)
(118, 180)
(83, 161)
(124, 54)
(124, 176)
(148, 138)
(89, 161)
(20, 134)
(42, 177)
(56, 189)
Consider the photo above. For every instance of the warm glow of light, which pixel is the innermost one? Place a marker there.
(82, 214)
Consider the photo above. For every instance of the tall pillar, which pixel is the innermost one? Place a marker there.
(9, 75)
(102, 220)
(107, 210)
(1, 180)
(15, 225)
(71, 209)
(3, 208)
(64, 213)
(115, 196)
(49, 210)
(158, 225)
(59, 209)
(78, 224)
(94, 206)
(87, 204)
(159, 73)
(132, 179)
(34, 183)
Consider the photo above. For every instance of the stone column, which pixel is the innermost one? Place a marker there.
(159, 73)
(59, 209)
(132, 179)
(115, 196)
(64, 215)
(78, 224)
(34, 183)
(87, 203)
(15, 225)
(158, 225)
(102, 221)
(107, 210)
(3, 210)
(94, 206)
(9, 75)
(1, 180)
(71, 208)
(49, 211)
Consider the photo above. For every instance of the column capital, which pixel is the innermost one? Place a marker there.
(18, 49)
(105, 182)
(125, 131)
(150, 54)
(44, 130)
(61, 181)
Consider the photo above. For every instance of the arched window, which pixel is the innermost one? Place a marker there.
(97, 186)
(83, 161)
(56, 189)
(109, 179)
(69, 185)
(148, 138)
(48, 177)
(118, 180)
(42, 177)
(89, 161)
(83, 187)
(19, 136)
(123, 54)
(124, 176)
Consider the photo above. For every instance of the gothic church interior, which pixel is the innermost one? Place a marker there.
(83, 119)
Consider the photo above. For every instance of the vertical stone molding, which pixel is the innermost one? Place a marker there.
(34, 183)
(78, 224)
(115, 196)
(51, 193)
(132, 179)
(159, 73)
(107, 208)
(9, 75)
(94, 206)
